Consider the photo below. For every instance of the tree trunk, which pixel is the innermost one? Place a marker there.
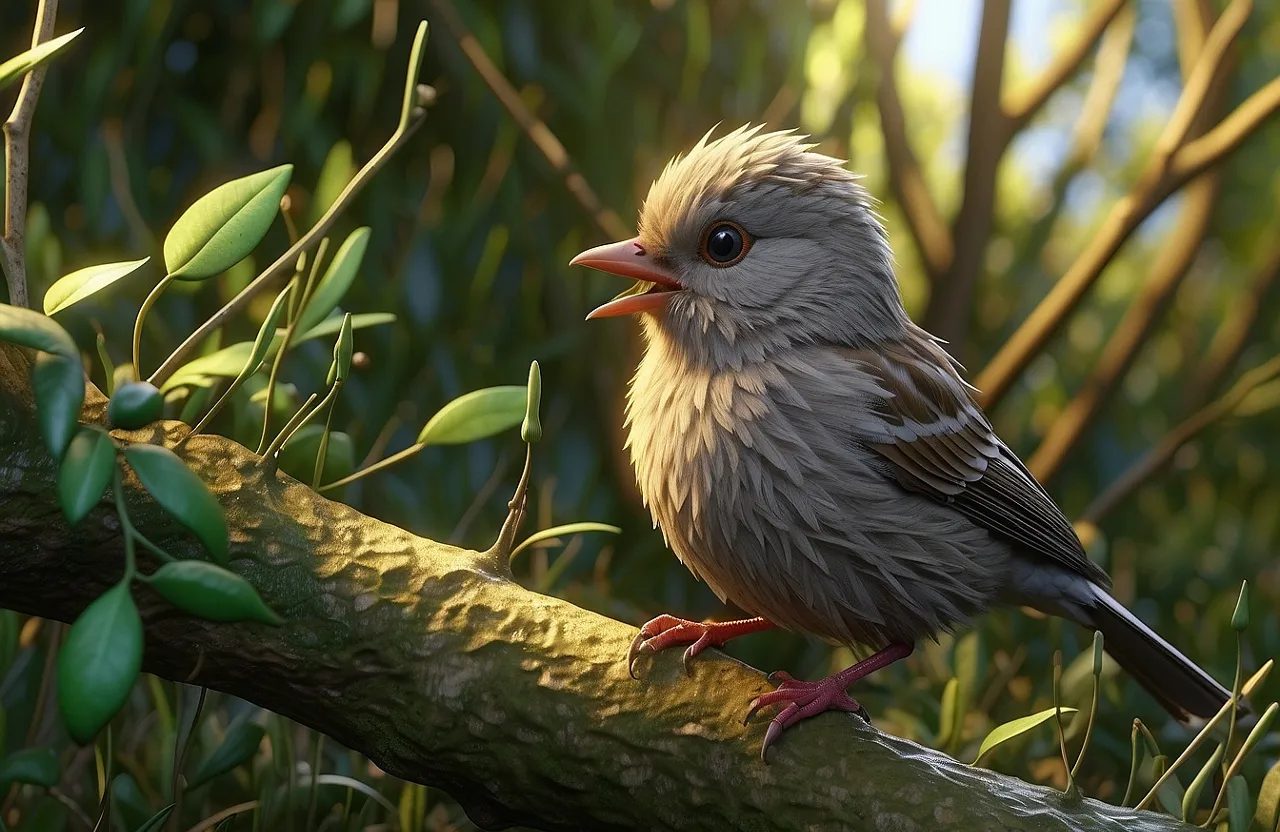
(431, 661)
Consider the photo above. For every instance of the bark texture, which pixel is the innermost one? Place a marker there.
(440, 669)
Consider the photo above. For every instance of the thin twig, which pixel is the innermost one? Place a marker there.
(919, 209)
(411, 119)
(1164, 450)
(17, 163)
(1022, 105)
(534, 128)
(1170, 167)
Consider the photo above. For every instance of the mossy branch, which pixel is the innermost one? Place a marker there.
(519, 705)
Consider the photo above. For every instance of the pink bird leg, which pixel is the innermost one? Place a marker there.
(668, 631)
(805, 699)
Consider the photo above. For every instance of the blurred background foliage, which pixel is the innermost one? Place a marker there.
(160, 100)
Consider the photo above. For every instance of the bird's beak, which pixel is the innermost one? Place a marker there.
(628, 259)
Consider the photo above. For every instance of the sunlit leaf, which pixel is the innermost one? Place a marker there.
(564, 531)
(337, 279)
(1268, 812)
(1016, 728)
(225, 363)
(331, 326)
(224, 225)
(13, 70)
(476, 415)
(81, 284)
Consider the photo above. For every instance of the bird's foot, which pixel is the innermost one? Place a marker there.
(801, 700)
(668, 631)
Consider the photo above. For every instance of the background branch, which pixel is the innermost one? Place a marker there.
(17, 163)
(924, 220)
(517, 704)
(538, 132)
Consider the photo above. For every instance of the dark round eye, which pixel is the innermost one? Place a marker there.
(725, 243)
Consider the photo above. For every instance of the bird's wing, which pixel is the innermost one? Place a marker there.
(936, 441)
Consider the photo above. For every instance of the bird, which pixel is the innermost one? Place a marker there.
(813, 455)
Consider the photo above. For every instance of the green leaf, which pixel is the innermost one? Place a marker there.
(99, 662)
(224, 363)
(135, 405)
(59, 387)
(224, 225)
(35, 766)
(1239, 805)
(182, 494)
(238, 747)
(266, 337)
(563, 531)
(338, 169)
(1014, 728)
(1191, 799)
(331, 326)
(156, 822)
(1266, 815)
(531, 427)
(85, 472)
(343, 350)
(1170, 792)
(14, 69)
(39, 332)
(298, 456)
(476, 415)
(948, 718)
(79, 285)
(337, 279)
(210, 592)
(108, 367)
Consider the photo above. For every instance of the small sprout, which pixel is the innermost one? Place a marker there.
(531, 429)
(134, 406)
(1240, 618)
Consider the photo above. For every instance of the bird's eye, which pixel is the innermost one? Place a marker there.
(725, 244)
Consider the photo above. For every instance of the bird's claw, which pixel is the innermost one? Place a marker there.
(800, 700)
(668, 631)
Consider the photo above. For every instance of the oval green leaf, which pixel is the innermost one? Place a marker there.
(14, 69)
(298, 456)
(227, 362)
(59, 387)
(211, 592)
(1191, 798)
(266, 337)
(1267, 815)
(330, 326)
(182, 494)
(39, 332)
(238, 748)
(34, 766)
(1239, 805)
(224, 225)
(135, 405)
(85, 472)
(1015, 728)
(99, 662)
(563, 531)
(79, 285)
(476, 415)
(337, 279)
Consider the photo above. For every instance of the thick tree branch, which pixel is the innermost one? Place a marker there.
(1022, 105)
(924, 220)
(951, 301)
(443, 671)
(538, 132)
(1172, 164)
(17, 164)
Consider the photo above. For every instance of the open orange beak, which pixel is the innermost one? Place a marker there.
(628, 259)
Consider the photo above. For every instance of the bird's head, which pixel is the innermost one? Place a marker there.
(755, 239)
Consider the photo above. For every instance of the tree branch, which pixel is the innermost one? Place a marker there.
(534, 128)
(442, 672)
(1171, 166)
(924, 220)
(17, 164)
(951, 301)
(1021, 106)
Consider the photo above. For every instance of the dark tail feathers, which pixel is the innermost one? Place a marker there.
(1176, 682)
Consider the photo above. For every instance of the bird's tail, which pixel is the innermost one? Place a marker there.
(1177, 683)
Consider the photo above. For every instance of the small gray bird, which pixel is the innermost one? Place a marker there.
(815, 456)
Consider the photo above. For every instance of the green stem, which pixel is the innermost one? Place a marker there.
(411, 118)
(295, 422)
(323, 450)
(315, 777)
(180, 754)
(130, 534)
(1182, 758)
(1135, 762)
(137, 324)
(377, 466)
(303, 298)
